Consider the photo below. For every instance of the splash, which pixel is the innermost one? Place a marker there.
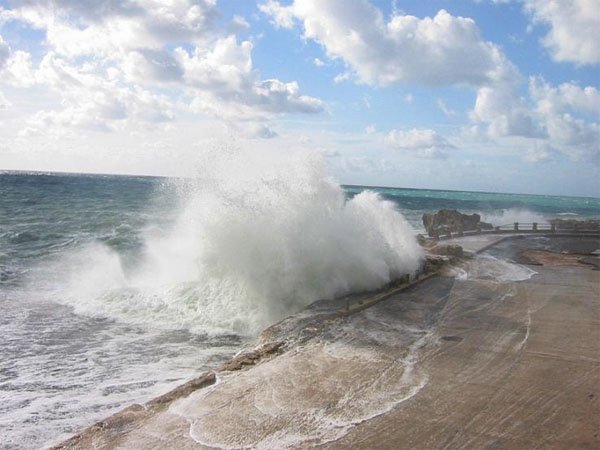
(258, 236)
(489, 268)
(512, 215)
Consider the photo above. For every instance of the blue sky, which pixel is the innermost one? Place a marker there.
(472, 95)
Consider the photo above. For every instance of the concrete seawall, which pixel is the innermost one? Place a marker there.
(468, 362)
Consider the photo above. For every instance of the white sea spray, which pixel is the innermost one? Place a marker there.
(258, 237)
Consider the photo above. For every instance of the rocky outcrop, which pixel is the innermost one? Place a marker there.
(576, 225)
(448, 250)
(447, 221)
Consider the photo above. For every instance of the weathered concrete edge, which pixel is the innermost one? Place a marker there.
(385, 295)
(126, 419)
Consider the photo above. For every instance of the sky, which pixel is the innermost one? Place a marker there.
(484, 95)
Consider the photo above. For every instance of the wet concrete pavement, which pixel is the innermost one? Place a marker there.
(473, 362)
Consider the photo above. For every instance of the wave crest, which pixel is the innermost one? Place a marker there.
(258, 237)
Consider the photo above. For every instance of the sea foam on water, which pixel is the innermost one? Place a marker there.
(258, 237)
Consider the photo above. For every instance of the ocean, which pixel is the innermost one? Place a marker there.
(114, 289)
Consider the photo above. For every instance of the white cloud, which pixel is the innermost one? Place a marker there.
(574, 28)
(567, 96)
(539, 153)
(282, 16)
(4, 53)
(505, 112)
(4, 103)
(252, 130)
(90, 101)
(442, 50)
(448, 112)
(425, 143)
(224, 68)
(563, 110)
(239, 23)
(341, 77)
(146, 65)
(139, 49)
(317, 62)
(19, 70)
(107, 27)
(224, 84)
(564, 117)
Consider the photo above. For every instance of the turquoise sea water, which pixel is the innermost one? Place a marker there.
(498, 208)
(69, 357)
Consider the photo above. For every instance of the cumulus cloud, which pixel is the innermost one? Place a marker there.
(574, 28)
(439, 50)
(223, 83)
(109, 27)
(424, 143)
(281, 16)
(566, 96)
(563, 117)
(137, 48)
(152, 65)
(564, 112)
(92, 102)
(505, 112)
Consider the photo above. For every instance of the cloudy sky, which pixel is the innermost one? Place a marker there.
(493, 95)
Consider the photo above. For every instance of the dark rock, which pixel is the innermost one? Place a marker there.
(447, 221)
(434, 263)
(448, 250)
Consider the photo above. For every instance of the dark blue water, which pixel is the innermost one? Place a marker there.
(65, 364)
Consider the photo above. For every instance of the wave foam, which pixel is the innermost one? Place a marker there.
(486, 267)
(305, 398)
(258, 236)
(512, 215)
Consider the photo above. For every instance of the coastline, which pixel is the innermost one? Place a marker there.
(395, 357)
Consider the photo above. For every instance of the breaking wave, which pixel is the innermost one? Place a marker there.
(258, 236)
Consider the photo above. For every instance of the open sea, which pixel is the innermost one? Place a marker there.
(114, 289)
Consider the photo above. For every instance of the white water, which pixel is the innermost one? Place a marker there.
(315, 393)
(512, 215)
(487, 267)
(258, 236)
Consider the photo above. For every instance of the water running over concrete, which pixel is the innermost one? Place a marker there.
(449, 363)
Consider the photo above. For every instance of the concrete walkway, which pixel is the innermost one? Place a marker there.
(472, 363)
(477, 243)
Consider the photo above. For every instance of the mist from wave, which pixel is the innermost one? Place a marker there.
(257, 237)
